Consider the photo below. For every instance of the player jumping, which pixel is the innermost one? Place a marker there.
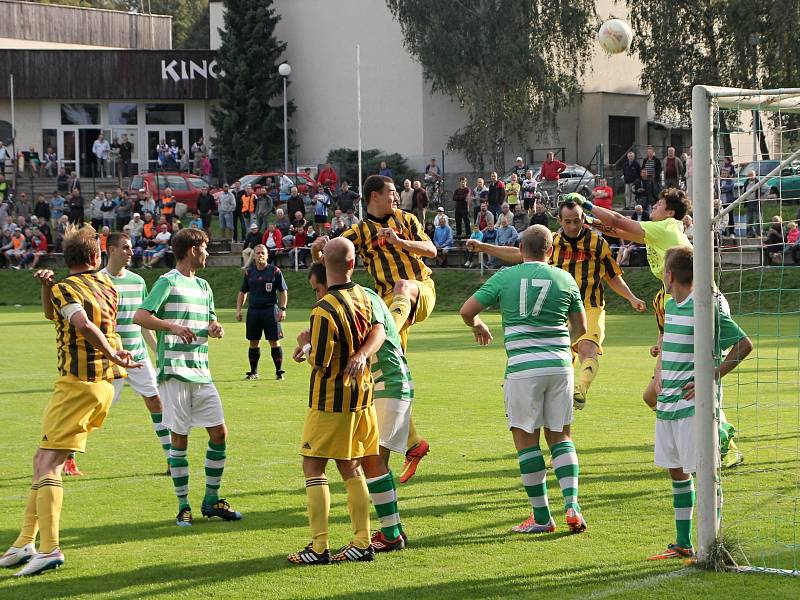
(392, 244)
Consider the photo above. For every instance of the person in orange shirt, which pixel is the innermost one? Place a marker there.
(168, 205)
(149, 227)
(603, 195)
(248, 206)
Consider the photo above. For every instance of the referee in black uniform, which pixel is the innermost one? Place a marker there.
(265, 285)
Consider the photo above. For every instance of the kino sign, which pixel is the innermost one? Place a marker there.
(189, 69)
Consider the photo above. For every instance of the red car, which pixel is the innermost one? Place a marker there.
(186, 188)
(305, 185)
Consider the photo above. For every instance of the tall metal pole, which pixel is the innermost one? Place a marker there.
(285, 130)
(705, 429)
(358, 109)
(13, 131)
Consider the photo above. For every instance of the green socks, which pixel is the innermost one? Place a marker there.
(162, 433)
(565, 465)
(383, 493)
(179, 470)
(683, 499)
(215, 464)
(533, 472)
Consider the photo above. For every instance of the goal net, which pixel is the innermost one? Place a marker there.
(746, 193)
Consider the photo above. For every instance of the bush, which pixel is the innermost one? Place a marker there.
(345, 161)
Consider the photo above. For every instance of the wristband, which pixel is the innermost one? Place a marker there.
(587, 206)
(307, 350)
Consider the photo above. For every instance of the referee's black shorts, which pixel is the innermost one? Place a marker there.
(262, 321)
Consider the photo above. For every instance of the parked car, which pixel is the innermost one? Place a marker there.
(574, 178)
(786, 186)
(305, 185)
(186, 188)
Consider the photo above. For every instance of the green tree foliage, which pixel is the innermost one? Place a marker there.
(249, 119)
(190, 27)
(345, 161)
(682, 43)
(511, 64)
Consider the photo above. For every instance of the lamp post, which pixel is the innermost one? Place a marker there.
(285, 70)
(754, 39)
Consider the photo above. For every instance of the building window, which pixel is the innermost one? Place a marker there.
(49, 140)
(122, 113)
(163, 114)
(80, 114)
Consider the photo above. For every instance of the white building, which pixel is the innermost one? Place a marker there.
(400, 114)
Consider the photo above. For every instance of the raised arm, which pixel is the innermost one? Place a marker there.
(46, 278)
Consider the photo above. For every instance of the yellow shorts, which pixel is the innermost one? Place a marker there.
(595, 328)
(426, 300)
(340, 435)
(75, 409)
(659, 304)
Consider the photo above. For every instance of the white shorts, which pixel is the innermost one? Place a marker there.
(675, 444)
(188, 405)
(539, 401)
(142, 380)
(394, 418)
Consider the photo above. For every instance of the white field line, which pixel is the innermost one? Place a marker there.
(641, 584)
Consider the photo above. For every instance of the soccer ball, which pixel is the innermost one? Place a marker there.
(615, 36)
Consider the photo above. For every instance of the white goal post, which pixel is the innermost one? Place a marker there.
(704, 100)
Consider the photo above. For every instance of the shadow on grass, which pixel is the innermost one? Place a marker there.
(166, 578)
(31, 391)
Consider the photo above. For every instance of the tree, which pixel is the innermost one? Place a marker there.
(511, 64)
(345, 160)
(249, 119)
(682, 43)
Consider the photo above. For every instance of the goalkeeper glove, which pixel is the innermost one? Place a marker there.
(579, 200)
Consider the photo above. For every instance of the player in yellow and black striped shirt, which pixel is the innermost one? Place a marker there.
(392, 244)
(341, 422)
(587, 257)
(84, 308)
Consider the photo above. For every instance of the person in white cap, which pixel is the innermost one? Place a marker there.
(441, 217)
(520, 168)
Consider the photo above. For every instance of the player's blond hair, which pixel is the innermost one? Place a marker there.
(536, 242)
(80, 245)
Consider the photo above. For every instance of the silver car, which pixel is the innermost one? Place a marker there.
(574, 178)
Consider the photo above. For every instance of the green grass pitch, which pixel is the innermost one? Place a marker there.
(120, 540)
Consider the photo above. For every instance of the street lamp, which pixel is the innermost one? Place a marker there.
(285, 70)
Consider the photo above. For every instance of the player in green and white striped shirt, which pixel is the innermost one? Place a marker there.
(131, 292)
(537, 301)
(675, 447)
(180, 307)
(393, 392)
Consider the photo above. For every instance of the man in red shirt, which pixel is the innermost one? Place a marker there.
(328, 178)
(551, 168)
(603, 195)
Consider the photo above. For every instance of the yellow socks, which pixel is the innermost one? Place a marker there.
(400, 309)
(48, 507)
(587, 373)
(30, 522)
(358, 504)
(318, 501)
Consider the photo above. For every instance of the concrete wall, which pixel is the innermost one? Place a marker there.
(399, 112)
(75, 25)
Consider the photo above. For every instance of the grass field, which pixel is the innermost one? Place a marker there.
(118, 529)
